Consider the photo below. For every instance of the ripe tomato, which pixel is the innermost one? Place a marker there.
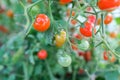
(87, 56)
(60, 39)
(10, 13)
(87, 29)
(105, 55)
(42, 23)
(84, 45)
(64, 60)
(3, 29)
(74, 47)
(113, 35)
(91, 18)
(108, 19)
(65, 1)
(78, 36)
(29, 1)
(112, 59)
(42, 54)
(73, 22)
(108, 4)
(80, 53)
(68, 13)
(81, 71)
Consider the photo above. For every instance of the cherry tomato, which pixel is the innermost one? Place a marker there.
(3, 29)
(108, 19)
(42, 23)
(87, 29)
(78, 36)
(89, 9)
(60, 39)
(81, 71)
(65, 1)
(87, 56)
(73, 22)
(108, 4)
(10, 13)
(80, 53)
(113, 35)
(105, 55)
(68, 13)
(91, 18)
(84, 45)
(42, 54)
(29, 1)
(74, 47)
(112, 59)
(64, 60)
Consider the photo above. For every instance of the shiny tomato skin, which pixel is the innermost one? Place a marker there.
(105, 55)
(63, 2)
(108, 4)
(42, 54)
(42, 23)
(108, 19)
(87, 29)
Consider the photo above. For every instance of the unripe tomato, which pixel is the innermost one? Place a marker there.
(10, 13)
(84, 45)
(105, 55)
(108, 19)
(64, 60)
(87, 56)
(42, 23)
(108, 4)
(60, 39)
(65, 1)
(87, 29)
(42, 54)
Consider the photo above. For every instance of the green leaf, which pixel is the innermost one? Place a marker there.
(117, 20)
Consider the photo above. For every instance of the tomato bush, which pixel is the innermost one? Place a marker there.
(59, 39)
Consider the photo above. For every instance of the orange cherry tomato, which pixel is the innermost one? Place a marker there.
(113, 35)
(74, 47)
(42, 23)
(60, 39)
(73, 22)
(108, 19)
(3, 29)
(63, 2)
(108, 4)
(112, 59)
(10, 13)
(98, 21)
(68, 13)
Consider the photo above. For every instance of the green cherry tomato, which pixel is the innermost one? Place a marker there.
(64, 60)
(84, 45)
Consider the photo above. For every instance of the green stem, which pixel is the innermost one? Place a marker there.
(108, 46)
(25, 71)
(50, 11)
(49, 71)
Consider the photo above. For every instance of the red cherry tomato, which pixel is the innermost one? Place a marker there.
(87, 29)
(105, 55)
(42, 23)
(65, 1)
(91, 18)
(87, 56)
(108, 4)
(68, 13)
(73, 22)
(42, 54)
(108, 19)
(3, 29)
